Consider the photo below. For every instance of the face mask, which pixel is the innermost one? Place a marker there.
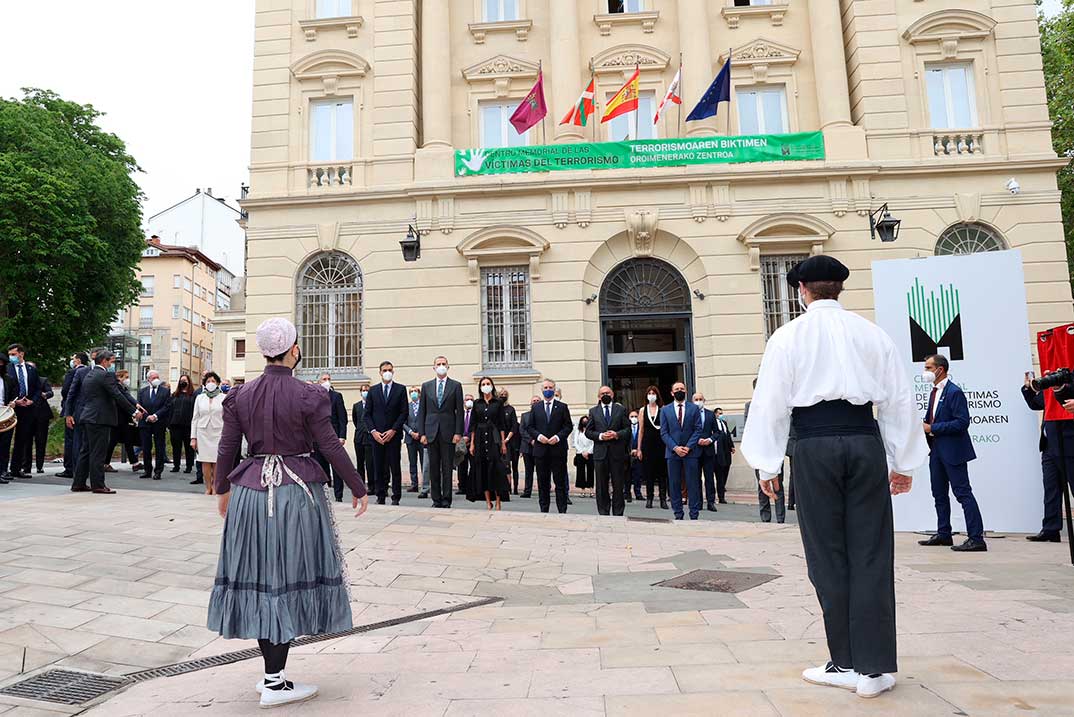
(633, 420)
(387, 375)
(929, 376)
(413, 395)
(182, 384)
(699, 404)
(71, 363)
(112, 368)
(486, 389)
(680, 396)
(583, 424)
(327, 385)
(365, 395)
(503, 397)
(225, 388)
(126, 382)
(155, 383)
(548, 392)
(605, 399)
(14, 359)
(469, 404)
(210, 386)
(802, 303)
(441, 370)
(651, 398)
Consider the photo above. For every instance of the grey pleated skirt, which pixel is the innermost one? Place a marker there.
(282, 577)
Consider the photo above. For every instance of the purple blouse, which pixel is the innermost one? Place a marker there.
(278, 414)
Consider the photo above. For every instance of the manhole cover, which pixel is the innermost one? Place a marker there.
(717, 581)
(638, 519)
(64, 686)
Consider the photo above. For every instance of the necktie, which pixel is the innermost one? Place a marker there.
(22, 381)
(680, 415)
(608, 416)
(440, 392)
(548, 410)
(466, 425)
(386, 387)
(932, 405)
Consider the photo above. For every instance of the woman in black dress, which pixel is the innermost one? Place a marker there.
(653, 464)
(179, 424)
(488, 447)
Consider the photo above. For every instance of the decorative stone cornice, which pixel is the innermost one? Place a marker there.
(785, 231)
(623, 58)
(606, 21)
(949, 25)
(350, 24)
(499, 245)
(734, 15)
(521, 28)
(501, 67)
(329, 65)
(761, 54)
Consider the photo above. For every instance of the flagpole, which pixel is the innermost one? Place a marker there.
(678, 128)
(544, 120)
(727, 132)
(637, 100)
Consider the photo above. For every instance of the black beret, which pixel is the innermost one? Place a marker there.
(818, 268)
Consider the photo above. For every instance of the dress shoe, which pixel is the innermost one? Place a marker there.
(790, 507)
(711, 507)
(693, 517)
(64, 474)
(188, 470)
(4, 481)
(156, 476)
(381, 501)
(629, 498)
(16, 474)
(175, 469)
(639, 496)
(109, 469)
(146, 476)
(460, 492)
(971, 546)
(936, 540)
(663, 504)
(79, 489)
(678, 517)
(1043, 537)
(412, 489)
(137, 466)
(424, 494)
(514, 492)
(103, 491)
(395, 501)
(197, 481)
(723, 501)
(526, 495)
(648, 502)
(569, 501)
(40, 470)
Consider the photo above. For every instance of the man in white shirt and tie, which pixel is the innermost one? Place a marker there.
(440, 423)
(825, 372)
(725, 450)
(384, 418)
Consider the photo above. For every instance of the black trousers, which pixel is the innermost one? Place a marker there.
(790, 484)
(180, 436)
(415, 455)
(528, 462)
(154, 438)
(24, 438)
(96, 438)
(611, 470)
(70, 453)
(636, 477)
(655, 468)
(121, 434)
(512, 464)
(40, 441)
(387, 466)
(441, 465)
(722, 472)
(363, 462)
(708, 472)
(552, 468)
(5, 451)
(845, 518)
(765, 503)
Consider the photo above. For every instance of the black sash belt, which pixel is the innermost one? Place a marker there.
(834, 418)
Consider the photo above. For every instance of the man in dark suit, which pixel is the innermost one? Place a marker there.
(152, 429)
(42, 421)
(78, 363)
(74, 407)
(9, 391)
(29, 385)
(103, 401)
(609, 430)
(338, 416)
(680, 429)
(947, 423)
(525, 448)
(725, 450)
(1051, 463)
(363, 451)
(441, 418)
(415, 452)
(707, 449)
(462, 456)
(384, 417)
(551, 425)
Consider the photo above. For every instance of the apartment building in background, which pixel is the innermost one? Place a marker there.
(207, 223)
(229, 337)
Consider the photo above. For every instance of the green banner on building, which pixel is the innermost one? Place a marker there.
(640, 153)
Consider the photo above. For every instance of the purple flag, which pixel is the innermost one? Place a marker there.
(532, 109)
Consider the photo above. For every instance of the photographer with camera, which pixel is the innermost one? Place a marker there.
(1036, 394)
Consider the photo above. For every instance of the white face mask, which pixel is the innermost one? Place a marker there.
(365, 395)
(651, 397)
(929, 376)
(155, 383)
(801, 302)
(210, 386)
(699, 404)
(469, 404)
(126, 382)
(633, 420)
(441, 370)
(327, 385)
(486, 389)
(387, 376)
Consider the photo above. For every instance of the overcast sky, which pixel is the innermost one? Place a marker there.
(174, 79)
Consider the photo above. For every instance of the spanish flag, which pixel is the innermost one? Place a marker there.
(625, 100)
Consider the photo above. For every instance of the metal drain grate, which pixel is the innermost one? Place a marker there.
(64, 686)
(717, 581)
(639, 519)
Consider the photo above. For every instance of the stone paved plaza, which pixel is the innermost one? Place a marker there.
(115, 584)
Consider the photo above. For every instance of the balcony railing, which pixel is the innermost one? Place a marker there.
(957, 143)
(329, 175)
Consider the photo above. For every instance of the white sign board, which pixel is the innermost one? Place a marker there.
(971, 309)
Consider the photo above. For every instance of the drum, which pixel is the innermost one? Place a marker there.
(7, 418)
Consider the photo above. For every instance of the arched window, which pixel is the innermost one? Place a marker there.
(644, 286)
(329, 311)
(969, 238)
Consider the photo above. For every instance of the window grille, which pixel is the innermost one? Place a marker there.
(968, 238)
(780, 299)
(329, 311)
(505, 316)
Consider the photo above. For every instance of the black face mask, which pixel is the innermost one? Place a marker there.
(299, 359)
(680, 396)
(605, 399)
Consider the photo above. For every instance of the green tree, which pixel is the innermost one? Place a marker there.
(70, 218)
(1057, 50)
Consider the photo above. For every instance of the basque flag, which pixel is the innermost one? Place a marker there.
(719, 91)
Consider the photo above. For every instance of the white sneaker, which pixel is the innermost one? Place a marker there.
(870, 687)
(831, 676)
(260, 686)
(297, 692)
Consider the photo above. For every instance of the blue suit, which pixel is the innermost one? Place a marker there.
(952, 450)
(710, 430)
(688, 468)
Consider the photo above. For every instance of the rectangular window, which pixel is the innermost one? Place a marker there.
(197, 289)
(175, 345)
(186, 283)
(780, 300)
(952, 103)
(186, 347)
(175, 311)
(501, 10)
(618, 6)
(636, 125)
(334, 8)
(173, 375)
(240, 348)
(145, 316)
(148, 285)
(186, 314)
(177, 281)
(753, 3)
(197, 351)
(762, 110)
(505, 309)
(147, 346)
(331, 130)
(497, 131)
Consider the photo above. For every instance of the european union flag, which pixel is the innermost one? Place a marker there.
(719, 91)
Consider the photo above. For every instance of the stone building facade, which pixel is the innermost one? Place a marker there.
(633, 276)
